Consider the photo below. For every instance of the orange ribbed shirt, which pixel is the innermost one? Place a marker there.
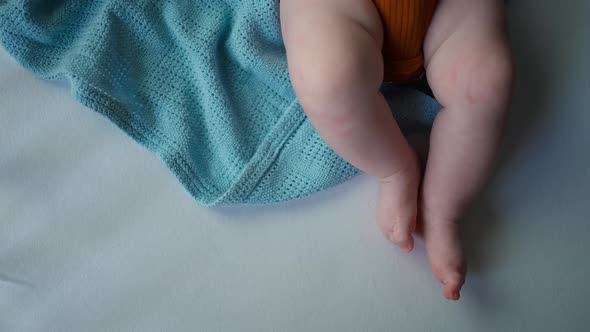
(405, 23)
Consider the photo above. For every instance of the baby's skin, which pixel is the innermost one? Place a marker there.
(336, 67)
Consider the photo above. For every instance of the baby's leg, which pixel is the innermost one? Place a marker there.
(336, 67)
(470, 71)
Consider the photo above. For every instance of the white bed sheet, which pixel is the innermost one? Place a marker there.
(97, 235)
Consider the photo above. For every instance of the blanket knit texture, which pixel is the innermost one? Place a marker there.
(203, 84)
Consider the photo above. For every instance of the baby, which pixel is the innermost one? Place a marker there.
(338, 53)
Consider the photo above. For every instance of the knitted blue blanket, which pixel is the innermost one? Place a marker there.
(201, 83)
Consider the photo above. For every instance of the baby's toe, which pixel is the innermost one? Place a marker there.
(452, 286)
(451, 275)
(401, 233)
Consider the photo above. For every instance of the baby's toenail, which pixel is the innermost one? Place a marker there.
(406, 248)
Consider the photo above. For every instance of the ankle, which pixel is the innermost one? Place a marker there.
(410, 170)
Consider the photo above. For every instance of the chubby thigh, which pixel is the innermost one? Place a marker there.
(333, 49)
(363, 12)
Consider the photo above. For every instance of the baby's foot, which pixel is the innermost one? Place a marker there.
(397, 207)
(445, 253)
